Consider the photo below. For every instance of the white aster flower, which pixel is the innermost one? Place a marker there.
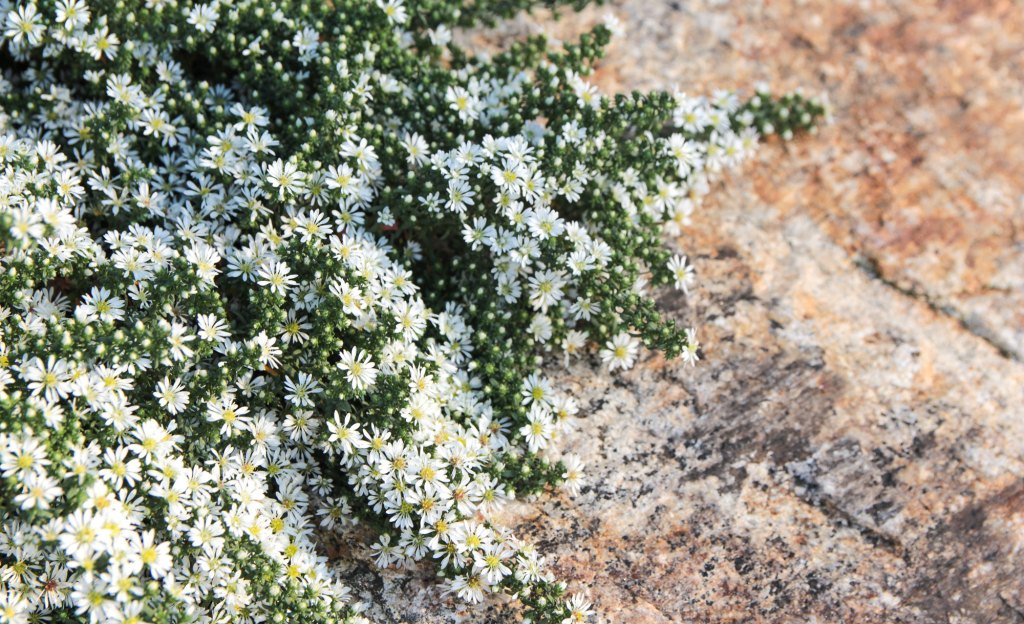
(620, 352)
(360, 371)
(172, 396)
(682, 272)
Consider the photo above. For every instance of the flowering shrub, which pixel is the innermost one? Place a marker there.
(272, 269)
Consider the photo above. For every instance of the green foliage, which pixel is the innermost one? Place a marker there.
(269, 270)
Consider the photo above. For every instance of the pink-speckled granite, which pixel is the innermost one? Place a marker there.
(851, 449)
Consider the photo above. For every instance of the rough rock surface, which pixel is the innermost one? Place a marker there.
(851, 448)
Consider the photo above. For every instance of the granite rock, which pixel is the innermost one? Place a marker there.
(851, 447)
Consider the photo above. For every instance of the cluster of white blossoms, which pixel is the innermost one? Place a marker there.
(269, 270)
(517, 220)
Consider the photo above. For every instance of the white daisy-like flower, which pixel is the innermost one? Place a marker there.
(359, 368)
(689, 354)
(620, 352)
(682, 273)
(171, 395)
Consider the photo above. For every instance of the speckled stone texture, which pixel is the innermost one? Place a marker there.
(851, 448)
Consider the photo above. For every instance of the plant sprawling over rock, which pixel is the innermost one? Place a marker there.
(272, 269)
